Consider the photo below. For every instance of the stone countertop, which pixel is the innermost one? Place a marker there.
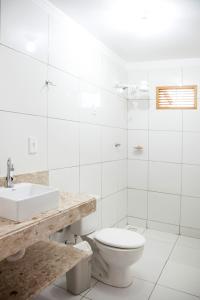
(15, 236)
(41, 265)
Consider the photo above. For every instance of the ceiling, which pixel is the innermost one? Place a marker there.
(139, 30)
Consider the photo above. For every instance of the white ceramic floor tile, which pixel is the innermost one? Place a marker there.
(189, 242)
(182, 271)
(139, 290)
(162, 293)
(56, 293)
(156, 253)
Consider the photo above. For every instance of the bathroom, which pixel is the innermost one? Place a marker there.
(99, 101)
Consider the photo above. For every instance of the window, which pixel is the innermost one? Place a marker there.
(176, 97)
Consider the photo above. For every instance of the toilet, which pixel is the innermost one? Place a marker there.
(115, 250)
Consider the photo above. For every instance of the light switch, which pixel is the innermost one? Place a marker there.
(32, 145)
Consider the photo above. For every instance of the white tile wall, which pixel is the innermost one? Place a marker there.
(138, 138)
(164, 208)
(77, 119)
(167, 172)
(164, 119)
(137, 203)
(191, 146)
(165, 146)
(63, 143)
(63, 95)
(165, 177)
(63, 46)
(190, 180)
(24, 26)
(109, 211)
(191, 120)
(23, 89)
(66, 180)
(138, 174)
(90, 144)
(138, 114)
(163, 76)
(114, 177)
(114, 143)
(90, 179)
(122, 205)
(91, 103)
(190, 212)
(14, 134)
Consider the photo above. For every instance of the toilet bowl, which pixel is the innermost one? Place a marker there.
(114, 250)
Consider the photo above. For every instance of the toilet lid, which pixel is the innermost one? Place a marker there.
(120, 238)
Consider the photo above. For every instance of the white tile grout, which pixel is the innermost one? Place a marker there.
(156, 283)
(181, 291)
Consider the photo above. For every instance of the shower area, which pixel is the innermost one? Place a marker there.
(163, 148)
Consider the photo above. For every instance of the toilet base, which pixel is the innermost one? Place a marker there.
(116, 277)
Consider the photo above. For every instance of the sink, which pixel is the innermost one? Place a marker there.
(26, 200)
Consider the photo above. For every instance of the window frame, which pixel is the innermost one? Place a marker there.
(194, 87)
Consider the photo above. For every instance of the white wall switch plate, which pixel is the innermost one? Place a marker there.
(32, 145)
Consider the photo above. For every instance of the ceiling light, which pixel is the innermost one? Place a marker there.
(142, 17)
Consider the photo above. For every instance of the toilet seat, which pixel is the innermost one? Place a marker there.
(120, 238)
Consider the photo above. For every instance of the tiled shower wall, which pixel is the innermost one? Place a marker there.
(77, 120)
(164, 177)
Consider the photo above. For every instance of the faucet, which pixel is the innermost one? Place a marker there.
(9, 178)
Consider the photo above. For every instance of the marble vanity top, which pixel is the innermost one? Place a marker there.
(15, 236)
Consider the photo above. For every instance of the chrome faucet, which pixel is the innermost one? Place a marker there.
(9, 178)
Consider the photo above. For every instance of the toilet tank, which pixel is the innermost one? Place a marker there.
(89, 223)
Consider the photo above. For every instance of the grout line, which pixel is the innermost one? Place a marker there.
(159, 222)
(109, 195)
(159, 192)
(156, 283)
(187, 227)
(148, 167)
(165, 223)
(164, 162)
(127, 150)
(48, 64)
(89, 290)
(101, 183)
(164, 130)
(23, 53)
(177, 290)
(62, 119)
(47, 133)
(181, 177)
(88, 164)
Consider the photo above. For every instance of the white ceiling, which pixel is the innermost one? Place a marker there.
(139, 30)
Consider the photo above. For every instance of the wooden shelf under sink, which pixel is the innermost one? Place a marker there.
(41, 265)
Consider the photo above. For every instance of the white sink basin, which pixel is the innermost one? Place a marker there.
(26, 200)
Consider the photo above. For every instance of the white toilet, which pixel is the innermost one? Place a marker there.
(114, 250)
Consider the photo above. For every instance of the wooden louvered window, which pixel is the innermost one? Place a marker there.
(176, 97)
